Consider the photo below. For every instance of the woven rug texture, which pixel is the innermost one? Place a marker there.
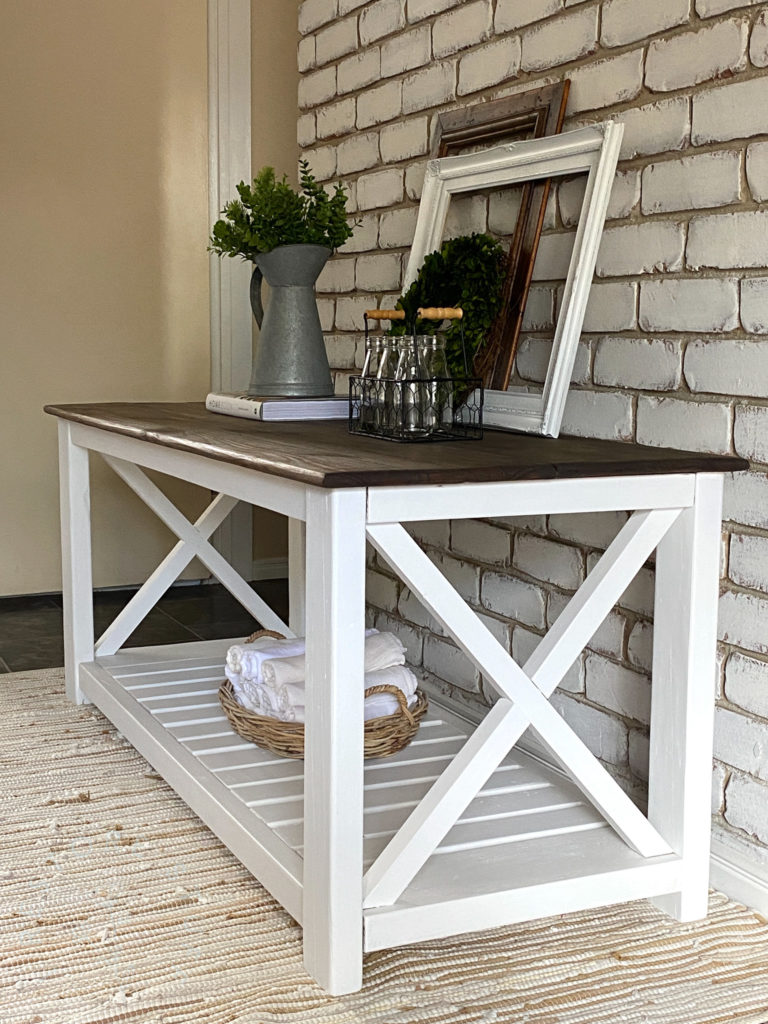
(118, 905)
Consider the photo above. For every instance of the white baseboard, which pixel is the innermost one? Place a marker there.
(739, 877)
(270, 568)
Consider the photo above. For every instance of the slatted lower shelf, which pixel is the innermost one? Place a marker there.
(528, 844)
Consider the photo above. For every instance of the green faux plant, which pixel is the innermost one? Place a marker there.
(467, 271)
(270, 213)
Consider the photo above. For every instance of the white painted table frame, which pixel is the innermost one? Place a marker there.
(348, 905)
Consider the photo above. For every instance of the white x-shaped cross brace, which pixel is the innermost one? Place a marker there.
(193, 541)
(523, 702)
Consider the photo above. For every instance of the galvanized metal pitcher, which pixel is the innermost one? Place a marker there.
(289, 355)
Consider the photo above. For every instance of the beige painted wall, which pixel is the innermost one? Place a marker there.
(103, 270)
(274, 96)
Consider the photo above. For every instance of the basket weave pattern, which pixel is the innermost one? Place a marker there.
(382, 736)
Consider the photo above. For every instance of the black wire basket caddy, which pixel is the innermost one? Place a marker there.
(435, 409)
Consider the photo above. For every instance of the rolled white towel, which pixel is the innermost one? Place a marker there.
(286, 701)
(245, 661)
(382, 650)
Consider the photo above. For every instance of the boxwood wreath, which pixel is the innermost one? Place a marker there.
(467, 271)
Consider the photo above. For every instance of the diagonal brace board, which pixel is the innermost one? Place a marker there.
(429, 822)
(194, 542)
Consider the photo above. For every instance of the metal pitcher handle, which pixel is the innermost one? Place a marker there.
(256, 305)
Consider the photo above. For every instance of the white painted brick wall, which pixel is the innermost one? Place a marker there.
(694, 426)
(357, 154)
(754, 305)
(605, 736)
(757, 170)
(378, 273)
(380, 188)
(428, 88)
(741, 742)
(513, 14)
(513, 598)
(407, 51)
(381, 18)
(560, 40)
(489, 65)
(359, 70)
(750, 434)
(468, 24)
(641, 249)
(746, 806)
(694, 57)
(746, 683)
(314, 13)
(758, 43)
(709, 8)
(732, 111)
(745, 499)
(418, 9)
(623, 690)
(748, 562)
(598, 414)
(623, 23)
(336, 41)
(606, 82)
(742, 622)
(727, 367)
(481, 541)
(689, 305)
(695, 182)
(649, 364)
(380, 104)
(412, 639)
(670, 354)
(549, 561)
(728, 240)
(397, 227)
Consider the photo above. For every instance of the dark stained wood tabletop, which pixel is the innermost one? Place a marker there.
(325, 454)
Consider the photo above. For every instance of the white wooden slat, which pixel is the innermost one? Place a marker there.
(178, 719)
(419, 836)
(184, 703)
(193, 654)
(288, 497)
(165, 510)
(277, 866)
(76, 574)
(147, 596)
(335, 619)
(529, 497)
(683, 692)
(447, 799)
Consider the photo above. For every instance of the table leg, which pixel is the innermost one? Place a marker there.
(76, 572)
(297, 555)
(333, 763)
(683, 702)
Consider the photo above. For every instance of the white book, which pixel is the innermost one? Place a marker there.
(248, 407)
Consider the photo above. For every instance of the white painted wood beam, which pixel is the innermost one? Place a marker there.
(165, 510)
(147, 596)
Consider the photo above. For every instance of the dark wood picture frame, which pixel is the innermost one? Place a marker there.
(531, 114)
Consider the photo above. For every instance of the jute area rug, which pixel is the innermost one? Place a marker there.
(119, 906)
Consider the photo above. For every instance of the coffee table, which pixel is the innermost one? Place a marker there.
(469, 827)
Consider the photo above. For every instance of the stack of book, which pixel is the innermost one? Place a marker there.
(254, 408)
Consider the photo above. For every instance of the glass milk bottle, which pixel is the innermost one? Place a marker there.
(412, 375)
(439, 411)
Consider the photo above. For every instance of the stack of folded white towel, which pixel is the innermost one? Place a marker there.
(268, 675)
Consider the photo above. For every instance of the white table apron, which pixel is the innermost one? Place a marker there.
(445, 866)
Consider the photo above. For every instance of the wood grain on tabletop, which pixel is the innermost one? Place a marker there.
(323, 453)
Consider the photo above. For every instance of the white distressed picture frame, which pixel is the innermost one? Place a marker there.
(594, 150)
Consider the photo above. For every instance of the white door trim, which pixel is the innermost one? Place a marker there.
(229, 162)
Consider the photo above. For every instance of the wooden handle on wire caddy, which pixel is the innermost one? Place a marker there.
(440, 313)
(385, 314)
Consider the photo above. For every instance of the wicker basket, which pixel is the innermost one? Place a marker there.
(382, 736)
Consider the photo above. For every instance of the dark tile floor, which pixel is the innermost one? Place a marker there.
(31, 627)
